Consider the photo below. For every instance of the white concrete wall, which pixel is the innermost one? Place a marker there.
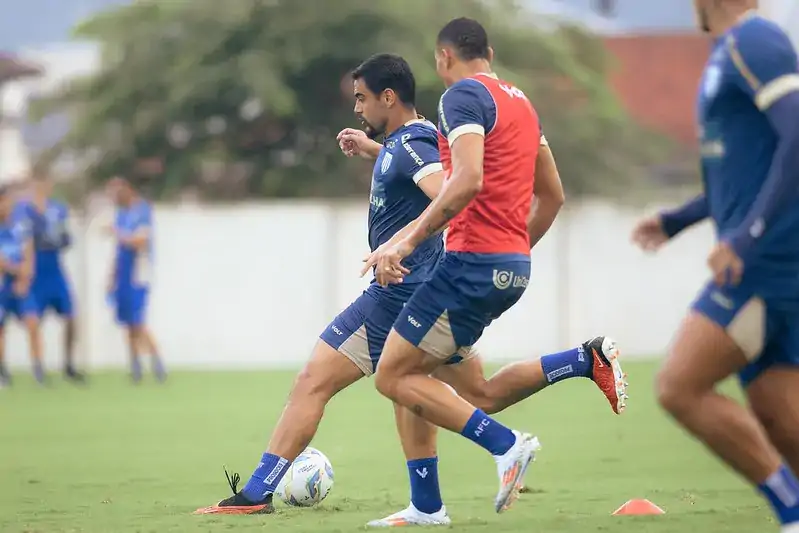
(252, 286)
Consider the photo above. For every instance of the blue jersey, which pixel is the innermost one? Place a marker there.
(752, 67)
(133, 266)
(50, 234)
(409, 154)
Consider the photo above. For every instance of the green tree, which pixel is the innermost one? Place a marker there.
(244, 97)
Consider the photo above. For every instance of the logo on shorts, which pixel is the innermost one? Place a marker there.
(413, 322)
(504, 279)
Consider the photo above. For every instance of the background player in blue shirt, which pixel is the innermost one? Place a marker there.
(16, 298)
(129, 282)
(746, 320)
(48, 223)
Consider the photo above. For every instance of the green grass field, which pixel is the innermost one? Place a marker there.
(119, 459)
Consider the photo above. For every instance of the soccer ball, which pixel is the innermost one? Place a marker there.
(308, 480)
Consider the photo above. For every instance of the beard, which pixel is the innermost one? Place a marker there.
(371, 131)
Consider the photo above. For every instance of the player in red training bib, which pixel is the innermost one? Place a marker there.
(489, 139)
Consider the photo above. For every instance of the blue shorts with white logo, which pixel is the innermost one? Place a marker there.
(360, 331)
(465, 294)
(767, 333)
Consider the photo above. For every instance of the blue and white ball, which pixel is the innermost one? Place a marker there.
(308, 480)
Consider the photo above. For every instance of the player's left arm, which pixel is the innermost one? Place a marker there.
(426, 171)
(767, 70)
(548, 194)
(66, 235)
(464, 118)
(139, 238)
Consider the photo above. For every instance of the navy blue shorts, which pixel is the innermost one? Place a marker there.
(55, 294)
(360, 331)
(131, 305)
(19, 307)
(767, 334)
(465, 294)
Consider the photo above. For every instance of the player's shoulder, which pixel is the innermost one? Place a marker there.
(469, 87)
(761, 35)
(419, 130)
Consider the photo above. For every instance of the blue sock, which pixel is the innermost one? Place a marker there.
(266, 477)
(38, 371)
(158, 368)
(488, 433)
(564, 365)
(781, 489)
(135, 368)
(425, 493)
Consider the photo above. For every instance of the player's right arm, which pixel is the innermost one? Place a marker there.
(653, 232)
(549, 195)
(355, 142)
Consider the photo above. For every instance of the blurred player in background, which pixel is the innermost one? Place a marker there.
(16, 297)
(48, 222)
(746, 320)
(490, 143)
(129, 280)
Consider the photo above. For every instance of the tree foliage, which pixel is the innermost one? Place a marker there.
(244, 97)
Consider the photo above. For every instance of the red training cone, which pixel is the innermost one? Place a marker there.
(638, 508)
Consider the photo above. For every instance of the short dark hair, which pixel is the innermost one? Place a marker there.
(467, 36)
(388, 71)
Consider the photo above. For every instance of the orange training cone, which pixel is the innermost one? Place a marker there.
(638, 508)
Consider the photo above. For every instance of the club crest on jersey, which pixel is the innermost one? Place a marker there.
(386, 164)
(712, 81)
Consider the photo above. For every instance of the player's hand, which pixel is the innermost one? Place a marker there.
(388, 263)
(725, 264)
(355, 143)
(20, 286)
(649, 234)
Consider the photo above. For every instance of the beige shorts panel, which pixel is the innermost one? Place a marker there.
(440, 342)
(748, 328)
(356, 349)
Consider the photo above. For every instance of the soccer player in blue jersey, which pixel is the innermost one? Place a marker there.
(129, 282)
(406, 175)
(746, 319)
(48, 223)
(16, 297)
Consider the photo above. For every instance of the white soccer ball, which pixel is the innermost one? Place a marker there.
(308, 480)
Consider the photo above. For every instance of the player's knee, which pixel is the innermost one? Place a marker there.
(310, 384)
(385, 384)
(672, 394)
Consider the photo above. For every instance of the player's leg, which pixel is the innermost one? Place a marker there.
(595, 359)
(454, 305)
(125, 317)
(340, 358)
(146, 340)
(774, 398)
(418, 440)
(5, 376)
(772, 386)
(721, 336)
(27, 310)
(61, 303)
